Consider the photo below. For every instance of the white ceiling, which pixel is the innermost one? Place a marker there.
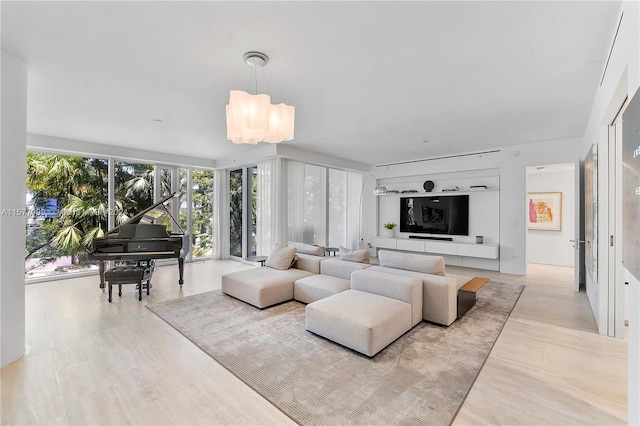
(370, 80)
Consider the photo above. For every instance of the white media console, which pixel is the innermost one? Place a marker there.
(485, 251)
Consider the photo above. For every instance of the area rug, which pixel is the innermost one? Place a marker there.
(421, 378)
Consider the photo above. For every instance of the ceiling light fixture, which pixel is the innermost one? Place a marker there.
(252, 118)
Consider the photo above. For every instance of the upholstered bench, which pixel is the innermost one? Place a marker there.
(377, 310)
(335, 277)
(129, 274)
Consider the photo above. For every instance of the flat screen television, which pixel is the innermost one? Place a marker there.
(444, 214)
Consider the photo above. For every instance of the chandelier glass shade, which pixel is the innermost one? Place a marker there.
(252, 118)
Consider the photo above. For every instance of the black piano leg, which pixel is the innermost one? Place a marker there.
(110, 291)
(101, 273)
(139, 290)
(181, 270)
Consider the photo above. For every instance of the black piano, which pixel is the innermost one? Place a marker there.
(139, 239)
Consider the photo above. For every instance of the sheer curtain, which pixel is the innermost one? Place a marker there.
(221, 214)
(354, 210)
(269, 201)
(295, 200)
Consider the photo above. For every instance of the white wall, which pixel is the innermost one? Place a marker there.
(622, 79)
(553, 247)
(511, 162)
(13, 172)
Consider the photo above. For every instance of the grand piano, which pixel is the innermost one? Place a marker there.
(139, 239)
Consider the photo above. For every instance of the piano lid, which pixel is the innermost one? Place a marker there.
(152, 213)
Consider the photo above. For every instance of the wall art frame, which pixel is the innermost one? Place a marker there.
(544, 211)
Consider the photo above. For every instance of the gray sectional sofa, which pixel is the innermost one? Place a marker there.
(358, 305)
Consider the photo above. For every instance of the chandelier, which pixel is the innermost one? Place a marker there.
(252, 118)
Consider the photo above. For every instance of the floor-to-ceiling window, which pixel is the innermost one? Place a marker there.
(324, 206)
(66, 209)
(243, 187)
(235, 213)
(252, 192)
(315, 205)
(202, 212)
(337, 203)
(133, 189)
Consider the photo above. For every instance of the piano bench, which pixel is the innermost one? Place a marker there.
(129, 274)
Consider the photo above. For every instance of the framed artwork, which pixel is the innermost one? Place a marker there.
(545, 211)
(631, 186)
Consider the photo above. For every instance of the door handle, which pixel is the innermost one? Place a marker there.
(576, 241)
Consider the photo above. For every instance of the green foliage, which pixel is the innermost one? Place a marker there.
(389, 225)
(79, 185)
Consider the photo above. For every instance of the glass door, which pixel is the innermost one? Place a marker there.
(243, 192)
(251, 202)
(235, 213)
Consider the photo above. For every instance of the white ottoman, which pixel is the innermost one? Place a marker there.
(377, 310)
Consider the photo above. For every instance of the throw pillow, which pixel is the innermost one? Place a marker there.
(361, 256)
(344, 250)
(306, 248)
(281, 258)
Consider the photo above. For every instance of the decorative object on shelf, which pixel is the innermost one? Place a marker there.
(545, 211)
(428, 185)
(388, 230)
(393, 191)
(450, 189)
(252, 118)
(477, 187)
(410, 191)
(479, 239)
(380, 190)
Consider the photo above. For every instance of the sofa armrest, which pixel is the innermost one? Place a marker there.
(405, 289)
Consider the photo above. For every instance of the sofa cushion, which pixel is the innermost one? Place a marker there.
(341, 268)
(361, 256)
(306, 248)
(439, 294)
(309, 262)
(316, 287)
(281, 258)
(412, 262)
(403, 288)
(262, 286)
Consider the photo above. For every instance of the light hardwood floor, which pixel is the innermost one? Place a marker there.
(91, 362)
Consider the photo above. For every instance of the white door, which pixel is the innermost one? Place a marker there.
(578, 241)
(616, 279)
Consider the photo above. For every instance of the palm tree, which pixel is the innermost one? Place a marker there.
(79, 185)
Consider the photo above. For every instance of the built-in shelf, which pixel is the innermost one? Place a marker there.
(442, 192)
(485, 251)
